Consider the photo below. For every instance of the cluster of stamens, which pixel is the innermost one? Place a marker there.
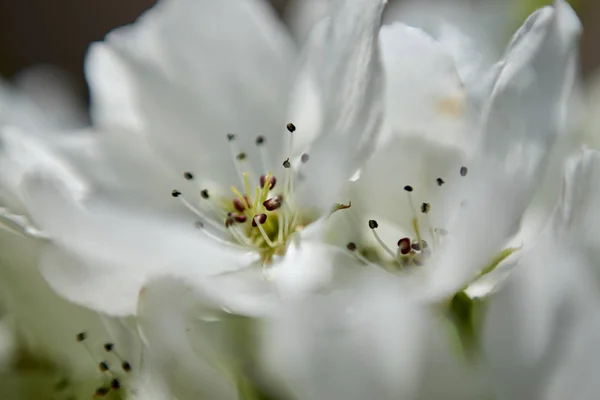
(409, 251)
(112, 366)
(258, 217)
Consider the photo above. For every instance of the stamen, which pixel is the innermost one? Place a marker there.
(418, 246)
(440, 181)
(196, 211)
(291, 127)
(404, 246)
(241, 156)
(235, 154)
(304, 158)
(263, 181)
(260, 143)
(257, 222)
(188, 176)
(81, 336)
(351, 246)
(273, 203)
(415, 221)
(374, 225)
(126, 366)
(115, 384)
(204, 194)
(239, 236)
(286, 163)
(463, 171)
(425, 208)
(103, 366)
(102, 391)
(108, 347)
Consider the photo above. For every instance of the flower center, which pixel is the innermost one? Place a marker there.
(260, 215)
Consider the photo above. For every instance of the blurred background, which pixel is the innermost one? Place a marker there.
(57, 32)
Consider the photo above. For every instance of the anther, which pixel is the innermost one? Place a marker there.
(273, 203)
(103, 366)
(304, 158)
(286, 163)
(291, 127)
(102, 391)
(188, 176)
(373, 224)
(109, 346)
(263, 181)
(239, 218)
(463, 171)
(440, 181)
(259, 140)
(230, 137)
(126, 366)
(204, 194)
(81, 336)
(404, 246)
(115, 384)
(240, 205)
(351, 246)
(175, 193)
(418, 246)
(241, 156)
(259, 219)
(425, 208)
(408, 188)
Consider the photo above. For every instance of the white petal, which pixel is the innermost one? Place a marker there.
(105, 249)
(347, 72)
(424, 94)
(203, 69)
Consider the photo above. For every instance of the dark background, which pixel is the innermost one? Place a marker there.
(58, 32)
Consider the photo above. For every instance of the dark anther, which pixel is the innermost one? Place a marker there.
(229, 221)
(304, 158)
(417, 246)
(259, 140)
(103, 366)
(102, 391)
(463, 171)
(373, 224)
(263, 181)
(440, 181)
(230, 137)
(291, 127)
(81, 336)
(425, 208)
(259, 219)
(351, 246)
(273, 203)
(109, 346)
(241, 156)
(126, 366)
(204, 194)
(115, 384)
(240, 218)
(175, 193)
(408, 188)
(404, 246)
(240, 204)
(286, 163)
(188, 176)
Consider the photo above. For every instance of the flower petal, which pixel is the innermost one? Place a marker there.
(198, 69)
(103, 248)
(344, 61)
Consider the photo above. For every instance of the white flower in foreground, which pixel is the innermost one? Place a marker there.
(213, 100)
(540, 332)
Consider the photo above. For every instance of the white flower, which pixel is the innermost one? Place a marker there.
(201, 107)
(540, 331)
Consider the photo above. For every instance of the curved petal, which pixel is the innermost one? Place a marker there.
(104, 248)
(343, 62)
(201, 70)
(533, 84)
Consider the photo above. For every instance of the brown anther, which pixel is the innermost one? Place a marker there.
(204, 194)
(102, 391)
(241, 156)
(259, 140)
(109, 346)
(408, 188)
(240, 218)
(286, 163)
(404, 246)
(230, 137)
(81, 336)
(273, 203)
(115, 384)
(229, 221)
(241, 205)
(351, 246)
(416, 245)
(175, 193)
(188, 176)
(103, 366)
(126, 366)
(373, 224)
(463, 171)
(259, 219)
(304, 158)
(440, 181)
(425, 208)
(263, 181)
(291, 127)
